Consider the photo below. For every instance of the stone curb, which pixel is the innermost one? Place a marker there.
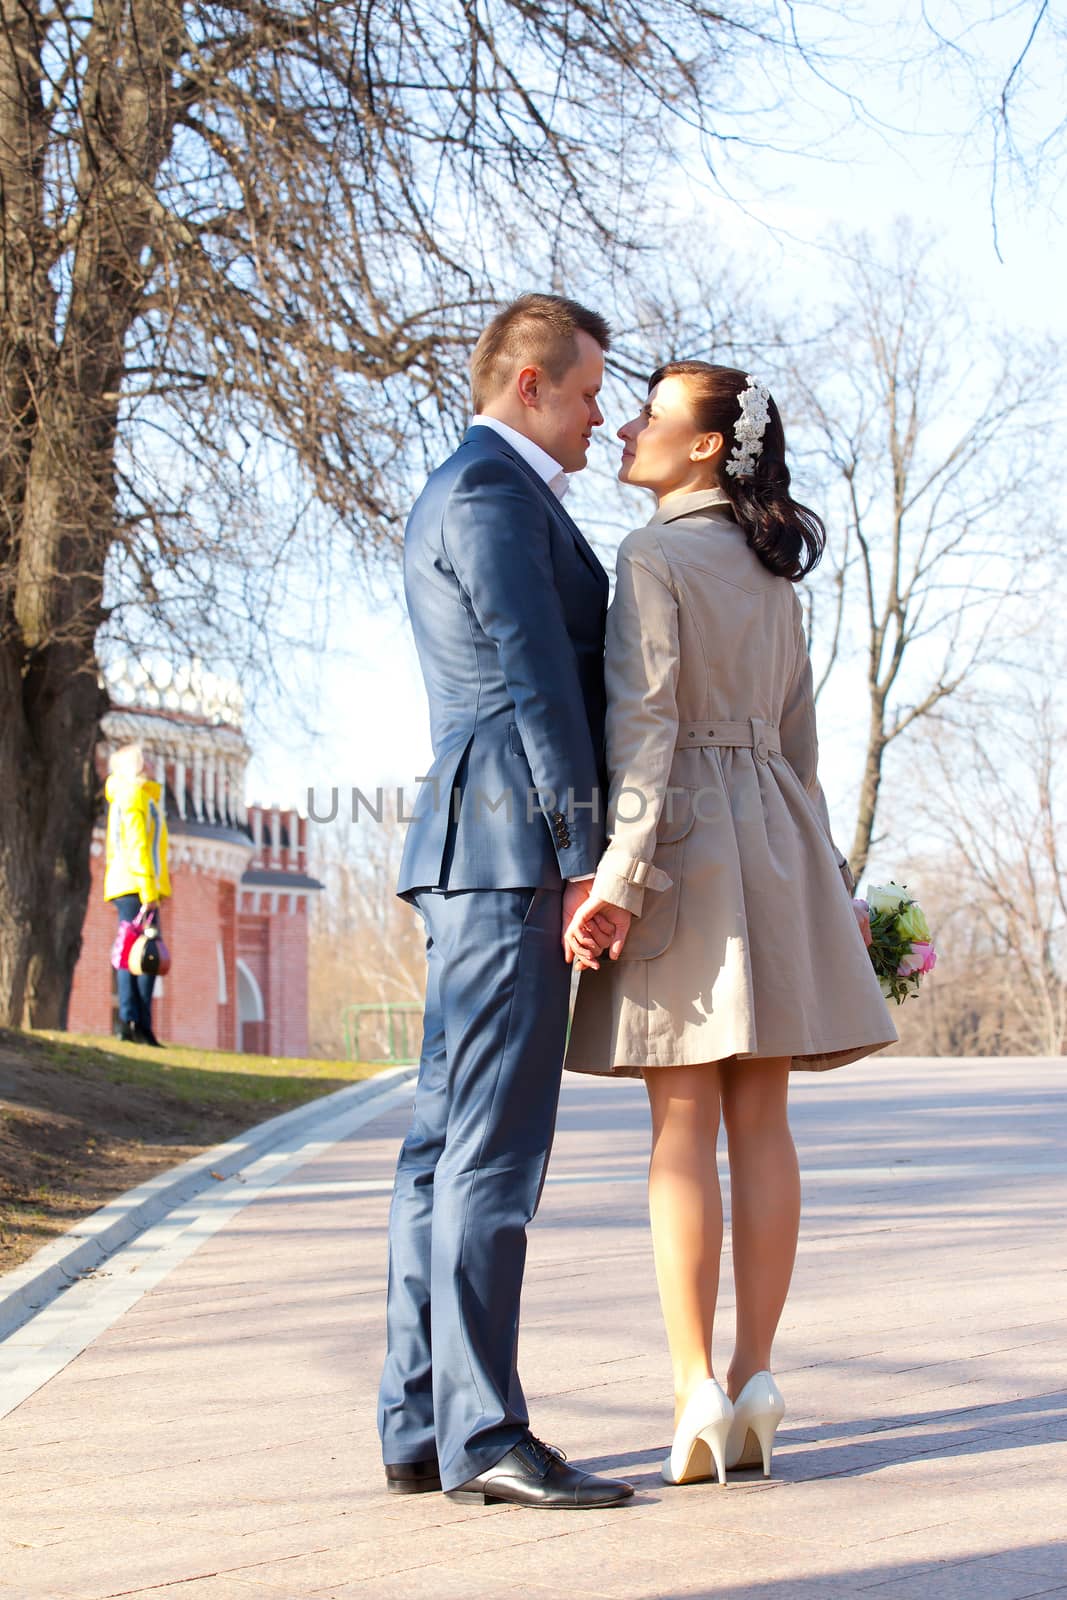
(85, 1246)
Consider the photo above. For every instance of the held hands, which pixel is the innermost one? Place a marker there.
(862, 912)
(592, 926)
(575, 896)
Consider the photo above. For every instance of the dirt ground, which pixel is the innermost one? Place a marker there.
(81, 1121)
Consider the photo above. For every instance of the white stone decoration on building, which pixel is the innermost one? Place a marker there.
(188, 688)
(222, 857)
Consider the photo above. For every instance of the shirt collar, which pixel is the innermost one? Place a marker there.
(686, 504)
(547, 467)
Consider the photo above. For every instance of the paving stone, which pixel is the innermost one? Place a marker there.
(218, 1441)
(1043, 1565)
(984, 1579)
(224, 1588)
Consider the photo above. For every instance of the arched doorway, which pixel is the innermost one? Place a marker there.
(251, 1012)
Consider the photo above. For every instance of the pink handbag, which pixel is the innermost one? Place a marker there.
(128, 934)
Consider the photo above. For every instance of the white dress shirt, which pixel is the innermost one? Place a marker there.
(548, 470)
(546, 467)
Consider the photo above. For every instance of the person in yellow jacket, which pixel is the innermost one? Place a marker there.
(135, 876)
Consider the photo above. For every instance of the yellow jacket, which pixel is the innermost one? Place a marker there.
(136, 840)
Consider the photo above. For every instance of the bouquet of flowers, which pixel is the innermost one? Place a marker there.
(900, 945)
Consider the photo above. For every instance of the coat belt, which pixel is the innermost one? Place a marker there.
(762, 738)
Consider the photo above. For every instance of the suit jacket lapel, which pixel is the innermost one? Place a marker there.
(579, 537)
(486, 436)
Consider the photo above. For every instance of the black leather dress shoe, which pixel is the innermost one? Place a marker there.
(412, 1477)
(534, 1474)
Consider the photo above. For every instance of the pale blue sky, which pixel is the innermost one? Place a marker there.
(361, 688)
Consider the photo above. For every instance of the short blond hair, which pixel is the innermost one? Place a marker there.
(128, 761)
(537, 330)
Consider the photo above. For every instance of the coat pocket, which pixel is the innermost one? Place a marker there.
(653, 930)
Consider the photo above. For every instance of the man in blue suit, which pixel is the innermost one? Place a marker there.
(507, 603)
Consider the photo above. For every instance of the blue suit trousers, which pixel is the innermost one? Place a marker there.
(470, 1175)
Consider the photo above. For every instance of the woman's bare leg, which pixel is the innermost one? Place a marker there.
(685, 1207)
(764, 1205)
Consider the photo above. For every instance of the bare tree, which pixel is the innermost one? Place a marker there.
(366, 946)
(244, 246)
(994, 796)
(1011, 61)
(918, 428)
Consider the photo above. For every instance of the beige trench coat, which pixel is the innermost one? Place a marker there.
(744, 941)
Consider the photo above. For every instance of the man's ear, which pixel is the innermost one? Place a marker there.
(707, 447)
(528, 383)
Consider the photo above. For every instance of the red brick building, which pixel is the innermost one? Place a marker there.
(237, 921)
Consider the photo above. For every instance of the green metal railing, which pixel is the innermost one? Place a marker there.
(397, 1016)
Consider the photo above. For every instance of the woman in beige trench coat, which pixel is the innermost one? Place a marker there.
(736, 952)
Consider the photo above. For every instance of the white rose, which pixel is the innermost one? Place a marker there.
(886, 896)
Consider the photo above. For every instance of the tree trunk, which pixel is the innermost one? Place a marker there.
(869, 790)
(48, 796)
(58, 497)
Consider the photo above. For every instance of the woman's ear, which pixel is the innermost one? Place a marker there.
(707, 447)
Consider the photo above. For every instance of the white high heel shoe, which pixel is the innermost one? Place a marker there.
(700, 1437)
(758, 1410)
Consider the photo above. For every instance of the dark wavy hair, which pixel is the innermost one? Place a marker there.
(786, 536)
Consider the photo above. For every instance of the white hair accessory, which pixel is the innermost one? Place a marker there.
(749, 429)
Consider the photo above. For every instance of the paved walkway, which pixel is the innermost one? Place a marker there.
(218, 1441)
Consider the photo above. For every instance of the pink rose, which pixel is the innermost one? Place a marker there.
(921, 958)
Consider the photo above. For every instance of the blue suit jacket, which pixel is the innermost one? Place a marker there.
(507, 603)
